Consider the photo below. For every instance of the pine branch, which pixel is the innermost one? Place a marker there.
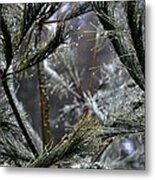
(135, 16)
(7, 42)
(8, 58)
(18, 118)
(36, 13)
(45, 52)
(60, 82)
(30, 13)
(75, 12)
(81, 137)
(121, 45)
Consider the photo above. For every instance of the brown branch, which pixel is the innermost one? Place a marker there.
(46, 131)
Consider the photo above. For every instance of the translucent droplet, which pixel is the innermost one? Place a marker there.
(56, 126)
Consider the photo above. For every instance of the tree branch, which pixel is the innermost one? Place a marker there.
(8, 58)
(135, 16)
(18, 118)
(75, 12)
(121, 45)
(43, 53)
(7, 41)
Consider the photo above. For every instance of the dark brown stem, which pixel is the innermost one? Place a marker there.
(46, 131)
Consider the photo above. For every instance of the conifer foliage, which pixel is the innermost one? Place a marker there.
(72, 84)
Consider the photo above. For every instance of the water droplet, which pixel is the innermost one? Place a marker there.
(56, 126)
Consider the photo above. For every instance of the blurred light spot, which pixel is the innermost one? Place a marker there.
(128, 146)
